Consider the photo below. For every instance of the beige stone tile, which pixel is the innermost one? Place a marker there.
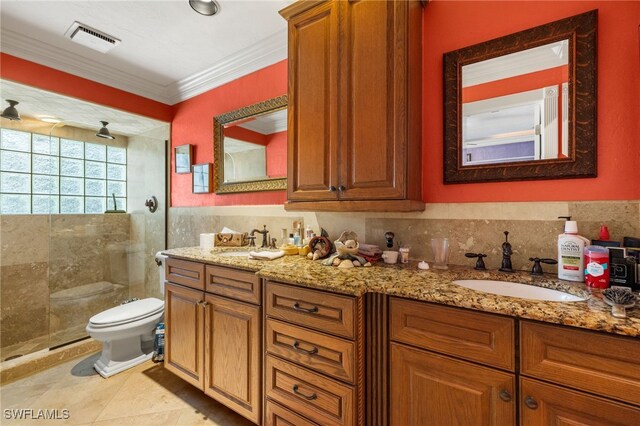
(24, 239)
(154, 390)
(165, 418)
(24, 303)
(84, 399)
(215, 414)
(21, 396)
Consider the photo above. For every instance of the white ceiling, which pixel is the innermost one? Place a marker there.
(267, 124)
(526, 61)
(36, 104)
(167, 52)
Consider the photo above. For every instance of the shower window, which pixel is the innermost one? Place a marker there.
(41, 175)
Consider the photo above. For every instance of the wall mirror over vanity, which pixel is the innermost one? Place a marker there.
(250, 148)
(523, 106)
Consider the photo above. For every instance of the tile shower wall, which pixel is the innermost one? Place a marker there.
(471, 227)
(56, 271)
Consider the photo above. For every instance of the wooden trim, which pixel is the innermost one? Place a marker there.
(355, 206)
(232, 335)
(562, 406)
(580, 30)
(330, 313)
(234, 284)
(298, 7)
(184, 272)
(193, 297)
(475, 336)
(277, 415)
(376, 341)
(606, 365)
(330, 355)
(323, 400)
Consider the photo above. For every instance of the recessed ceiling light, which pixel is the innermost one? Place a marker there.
(205, 7)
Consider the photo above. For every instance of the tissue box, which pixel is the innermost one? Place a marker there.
(229, 240)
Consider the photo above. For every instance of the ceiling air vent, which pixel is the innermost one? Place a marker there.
(91, 38)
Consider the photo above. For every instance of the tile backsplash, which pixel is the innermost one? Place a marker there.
(471, 227)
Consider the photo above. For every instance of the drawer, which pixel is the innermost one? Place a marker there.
(602, 364)
(311, 308)
(276, 415)
(323, 400)
(483, 338)
(327, 354)
(239, 285)
(184, 272)
(546, 404)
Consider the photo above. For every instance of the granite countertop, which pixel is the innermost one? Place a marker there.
(406, 280)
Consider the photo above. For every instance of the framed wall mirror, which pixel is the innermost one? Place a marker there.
(250, 148)
(523, 106)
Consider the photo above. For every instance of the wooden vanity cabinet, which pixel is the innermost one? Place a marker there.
(354, 126)
(313, 363)
(215, 342)
(427, 387)
(591, 378)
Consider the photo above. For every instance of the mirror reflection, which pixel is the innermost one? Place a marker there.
(515, 107)
(255, 148)
(250, 148)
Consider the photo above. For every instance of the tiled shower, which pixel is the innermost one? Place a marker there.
(57, 269)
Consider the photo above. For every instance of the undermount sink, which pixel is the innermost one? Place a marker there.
(523, 291)
(234, 254)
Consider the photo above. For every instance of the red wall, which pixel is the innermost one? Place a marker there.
(36, 75)
(193, 123)
(517, 84)
(451, 25)
(277, 154)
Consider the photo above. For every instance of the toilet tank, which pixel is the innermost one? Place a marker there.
(160, 261)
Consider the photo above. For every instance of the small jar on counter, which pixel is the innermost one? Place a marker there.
(404, 254)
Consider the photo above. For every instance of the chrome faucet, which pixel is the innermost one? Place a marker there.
(265, 236)
(506, 254)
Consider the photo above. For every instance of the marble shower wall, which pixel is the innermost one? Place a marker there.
(471, 227)
(55, 273)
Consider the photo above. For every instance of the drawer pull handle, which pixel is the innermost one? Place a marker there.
(505, 395)
(296, 346)
(530, 402)
(307, 397)
(297, 307)
(332, 188)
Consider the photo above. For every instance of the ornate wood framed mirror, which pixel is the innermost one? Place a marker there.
(523, 106)
(250, 148)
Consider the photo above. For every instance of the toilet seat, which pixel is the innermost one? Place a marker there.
(127, 313)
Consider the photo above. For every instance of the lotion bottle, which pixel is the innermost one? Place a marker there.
(571, 252)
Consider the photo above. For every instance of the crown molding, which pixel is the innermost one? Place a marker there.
(266, 52)
(54, 57)
(259, 55)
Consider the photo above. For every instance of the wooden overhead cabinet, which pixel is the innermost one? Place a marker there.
(354, 126)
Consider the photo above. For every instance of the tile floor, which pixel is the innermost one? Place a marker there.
(144, 395)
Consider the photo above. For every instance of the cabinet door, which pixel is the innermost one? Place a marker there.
(545, 404)
(232, 361)
(432, 389)
(184, 328)
(313, 104)
(374, 95)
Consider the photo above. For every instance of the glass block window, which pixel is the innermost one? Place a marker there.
(41, 175)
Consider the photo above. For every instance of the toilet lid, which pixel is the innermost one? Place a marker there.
(128, 312)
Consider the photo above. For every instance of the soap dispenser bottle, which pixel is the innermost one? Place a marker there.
(571, 252)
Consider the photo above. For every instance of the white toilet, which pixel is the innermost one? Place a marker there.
(127, 331)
